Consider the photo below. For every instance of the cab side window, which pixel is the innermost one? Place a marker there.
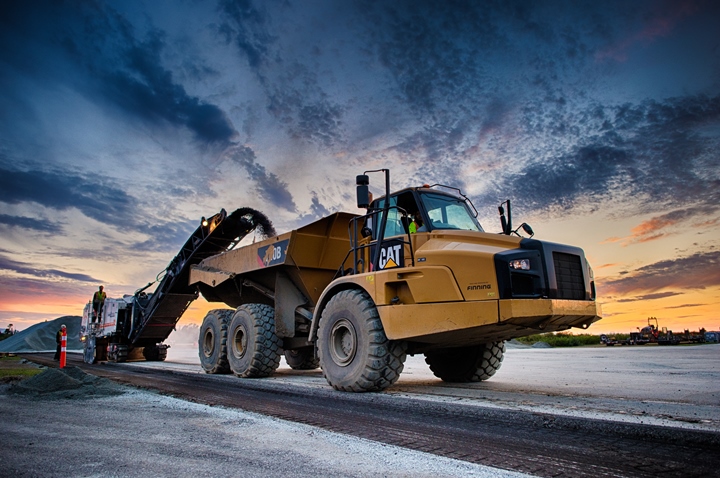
(403, 208)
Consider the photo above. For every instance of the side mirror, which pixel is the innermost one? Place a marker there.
(505, 222)
(528, 230)
(363, 191)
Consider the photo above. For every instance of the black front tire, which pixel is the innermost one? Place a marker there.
(355, 354)
(253, 346)
(212, 343)
(466, 364)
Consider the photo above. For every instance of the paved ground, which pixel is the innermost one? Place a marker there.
(138, 433)
(145, 434)
(675, 386)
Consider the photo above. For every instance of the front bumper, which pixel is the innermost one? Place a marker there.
(468, 322)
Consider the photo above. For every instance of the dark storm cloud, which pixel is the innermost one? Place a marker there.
(98, 52)
(293, 92)
(35, 224)
(147, 90)
(654, 151)
(434, 50)
(317, 208)
(587, 172)
(166, 236)
(24, 268)
(452, 64)
(247, 28)
(95, 50)
(268, 185)
(697, 271)
(458, 58)
(318, 121)
(442, 53)
(96, 198)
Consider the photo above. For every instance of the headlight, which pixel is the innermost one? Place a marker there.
(520, 264)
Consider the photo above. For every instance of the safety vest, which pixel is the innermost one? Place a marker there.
(99, 296)
(412, 227)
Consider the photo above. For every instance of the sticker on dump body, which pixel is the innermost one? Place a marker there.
(273, 254)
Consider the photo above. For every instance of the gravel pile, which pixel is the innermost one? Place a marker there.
(70, 382)
(541, 345)
(515, 344)
(41, 337)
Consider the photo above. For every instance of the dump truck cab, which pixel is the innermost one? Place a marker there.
(451, 283)
(438, 210)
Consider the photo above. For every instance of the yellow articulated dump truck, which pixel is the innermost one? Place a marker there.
(417, 274)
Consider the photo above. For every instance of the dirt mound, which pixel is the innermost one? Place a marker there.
(41, 337)
(516, 344)
(70, 382)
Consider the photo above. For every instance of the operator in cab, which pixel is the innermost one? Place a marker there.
(416, 225)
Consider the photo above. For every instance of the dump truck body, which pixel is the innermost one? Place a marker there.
(288, 272)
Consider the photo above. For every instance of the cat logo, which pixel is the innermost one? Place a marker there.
(391, 255)
(272, 254)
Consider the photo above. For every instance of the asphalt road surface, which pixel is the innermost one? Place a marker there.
(641, 411)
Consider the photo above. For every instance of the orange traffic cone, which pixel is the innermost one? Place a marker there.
(63, 345)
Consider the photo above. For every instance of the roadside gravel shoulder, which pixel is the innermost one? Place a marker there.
(130, 432)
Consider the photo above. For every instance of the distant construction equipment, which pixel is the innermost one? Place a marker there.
(653, 334)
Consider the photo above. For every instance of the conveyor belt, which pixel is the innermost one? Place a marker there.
(156, 313)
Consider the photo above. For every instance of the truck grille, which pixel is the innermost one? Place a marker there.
(569, 276)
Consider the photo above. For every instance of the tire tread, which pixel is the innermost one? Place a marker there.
(384, 360)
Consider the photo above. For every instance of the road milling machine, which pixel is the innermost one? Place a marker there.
(135, 326)
(354, 294)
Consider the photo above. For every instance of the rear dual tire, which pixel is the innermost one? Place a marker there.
(212, 342)
(253, 348)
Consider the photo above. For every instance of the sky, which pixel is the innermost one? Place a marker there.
(122, 123)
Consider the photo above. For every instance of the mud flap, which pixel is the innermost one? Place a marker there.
(89, 350)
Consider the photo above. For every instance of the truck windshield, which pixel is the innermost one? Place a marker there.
(447, 212)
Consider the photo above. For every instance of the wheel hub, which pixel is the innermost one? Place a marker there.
(208, 343)
(343, 342)
(239, 342)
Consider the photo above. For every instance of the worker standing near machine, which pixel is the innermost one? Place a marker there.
(98, 302)
(58, 341)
